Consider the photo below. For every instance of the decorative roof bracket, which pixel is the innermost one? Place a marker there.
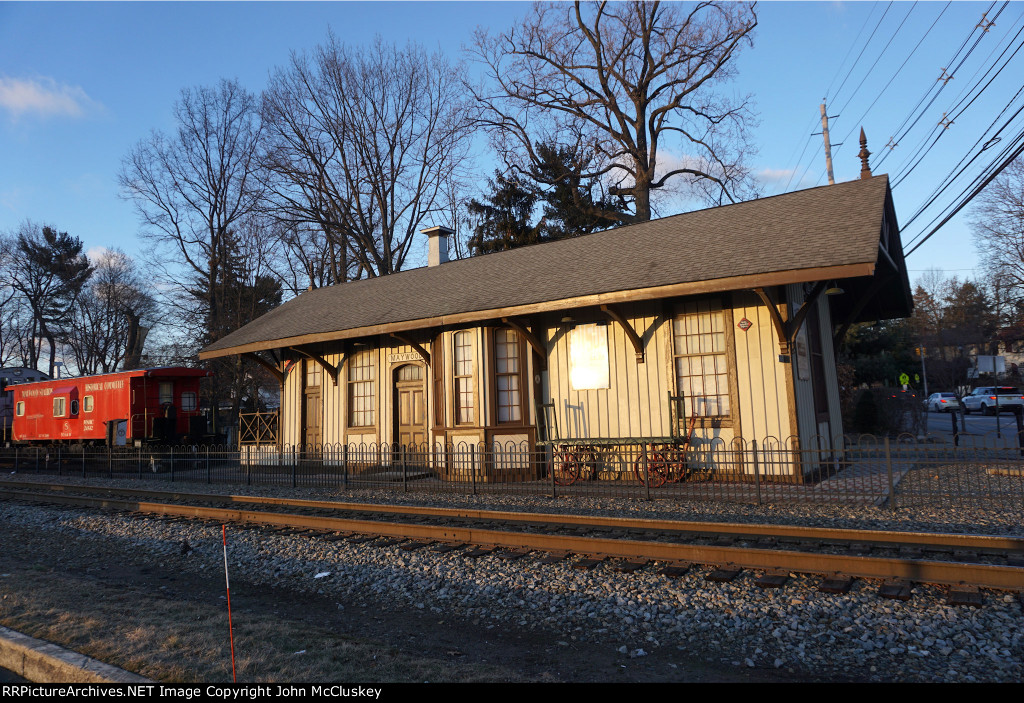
(787, 329)
(332, 371)
(631, 335)
(275, 372)
(538, 347)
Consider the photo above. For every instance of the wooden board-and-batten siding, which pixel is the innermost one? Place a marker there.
(636, 403)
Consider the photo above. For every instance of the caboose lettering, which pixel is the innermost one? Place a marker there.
(150, 405)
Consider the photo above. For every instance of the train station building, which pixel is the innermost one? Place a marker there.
(722, 322)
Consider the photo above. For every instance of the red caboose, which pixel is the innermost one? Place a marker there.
(154, 405)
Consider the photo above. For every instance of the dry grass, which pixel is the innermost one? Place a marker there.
(173, 640)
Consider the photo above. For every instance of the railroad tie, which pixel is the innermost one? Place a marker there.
(554, 557)
(414, 545)
(897, 589)
(772, 579)
(836, 583)
(723, 574)
(587, 563)
(512, 554)
(480, 552)
(447, 547)
(674, 571)
(628, 567)
(962, 594)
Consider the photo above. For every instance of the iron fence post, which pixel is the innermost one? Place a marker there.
(15, 460)
(472, 466)
(405, 478)
(956, 430)
(757, 470)
(58, 460)
(647, 475)
(1018, 415)
(294, 468)
(551, 468)
(888, 469)
(344, 466)
(138, 461)
(110, 464)
(172, 464)
(83, 460)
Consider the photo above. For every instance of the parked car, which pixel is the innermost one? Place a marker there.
(941, 402)
(989, 399)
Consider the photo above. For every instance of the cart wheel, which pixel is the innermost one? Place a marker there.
(565, 468)
(657, 469)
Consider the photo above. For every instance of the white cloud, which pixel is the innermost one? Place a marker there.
(44, 97)
(775, 176)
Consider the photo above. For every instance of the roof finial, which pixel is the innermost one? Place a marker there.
(865, 169)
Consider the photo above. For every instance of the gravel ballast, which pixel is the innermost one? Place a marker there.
(852, 636)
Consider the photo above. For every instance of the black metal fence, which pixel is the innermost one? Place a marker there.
(865, 470)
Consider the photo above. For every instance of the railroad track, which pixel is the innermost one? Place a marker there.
(964, 562)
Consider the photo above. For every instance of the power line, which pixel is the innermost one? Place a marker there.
(900, 132)
(954, 113)
(1019, 142)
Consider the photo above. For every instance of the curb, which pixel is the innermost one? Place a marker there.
(44, 662)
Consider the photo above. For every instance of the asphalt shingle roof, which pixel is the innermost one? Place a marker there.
(820, 227)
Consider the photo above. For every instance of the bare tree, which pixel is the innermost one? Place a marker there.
(196, 191)
(998, 225)
(106, 329)
(363, 143)
(192, 188)
(630, 88)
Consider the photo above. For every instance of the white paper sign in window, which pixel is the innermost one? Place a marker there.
(588, 357)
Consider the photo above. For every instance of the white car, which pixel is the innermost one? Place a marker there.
(941, 402)
(989, 399)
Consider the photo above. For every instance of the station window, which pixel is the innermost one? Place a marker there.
(506, 375)
(188, 401)
(59, 407)
(20, 408)
(361, 375)
(87, 404)
(700, 361)
(463, 378)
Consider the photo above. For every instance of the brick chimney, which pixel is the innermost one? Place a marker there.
(437, 244)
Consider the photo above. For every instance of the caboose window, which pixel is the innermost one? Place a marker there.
(74, 407)
(188, 401)
(166, 392)
(20, 409)
(58, 407)
(87, 404)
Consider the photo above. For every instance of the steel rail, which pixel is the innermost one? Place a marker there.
(859, 536)
(954, 573)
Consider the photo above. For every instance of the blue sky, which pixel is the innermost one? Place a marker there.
(81, 83)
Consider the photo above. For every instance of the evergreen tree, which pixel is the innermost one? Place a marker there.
(49, 272)
(502, 221)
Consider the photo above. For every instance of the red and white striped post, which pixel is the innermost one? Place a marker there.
(227, 584)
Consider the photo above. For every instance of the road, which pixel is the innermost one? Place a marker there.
(979, 428)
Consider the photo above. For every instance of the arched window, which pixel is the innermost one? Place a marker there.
(464, 406)
(508, 398)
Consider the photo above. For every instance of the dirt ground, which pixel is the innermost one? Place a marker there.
(168, 623)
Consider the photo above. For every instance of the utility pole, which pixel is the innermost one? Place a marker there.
(828, 144)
